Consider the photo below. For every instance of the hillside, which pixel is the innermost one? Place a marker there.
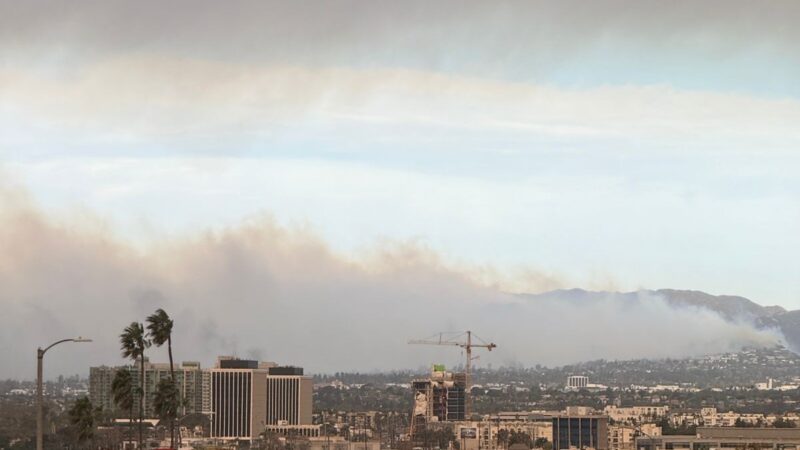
(730, 307)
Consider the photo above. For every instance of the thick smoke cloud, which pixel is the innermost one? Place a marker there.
(274, 292)
(501, 38)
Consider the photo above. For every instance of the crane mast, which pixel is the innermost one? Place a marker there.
(467, 345)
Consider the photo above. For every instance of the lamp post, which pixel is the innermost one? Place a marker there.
(39, 396)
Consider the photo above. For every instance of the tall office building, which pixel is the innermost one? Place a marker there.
(238, 399)
(289, 396)
(590, 431)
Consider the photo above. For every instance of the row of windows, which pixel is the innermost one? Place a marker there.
(575, 432)
(282, 400)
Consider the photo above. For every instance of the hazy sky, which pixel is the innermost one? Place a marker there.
(605, 144)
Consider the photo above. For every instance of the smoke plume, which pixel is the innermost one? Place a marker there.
(264, 290)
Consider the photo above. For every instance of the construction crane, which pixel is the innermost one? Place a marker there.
(459, 341)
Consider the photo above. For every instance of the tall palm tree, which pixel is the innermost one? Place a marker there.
(133, 343)
(82, 417)
(123, 390)
(159, 329)
(165, 402)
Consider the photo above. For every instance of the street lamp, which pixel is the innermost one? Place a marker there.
(39, 397)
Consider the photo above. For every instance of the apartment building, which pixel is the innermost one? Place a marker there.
(189, 378)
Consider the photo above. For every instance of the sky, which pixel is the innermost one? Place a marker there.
(448, 152)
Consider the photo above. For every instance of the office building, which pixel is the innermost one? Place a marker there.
(238, 399)
(289, 396)
(585, 431)
(248, 396)
(577, 382)
(725, 438)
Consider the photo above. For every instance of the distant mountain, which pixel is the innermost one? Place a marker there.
(730, 307)
(789, 323)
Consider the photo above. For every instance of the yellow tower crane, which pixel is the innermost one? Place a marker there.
(463, 340)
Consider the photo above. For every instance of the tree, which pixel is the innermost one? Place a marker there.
(159, 329)
(81, 417)
(519, 437)
(445, 437)
(741, 423)
(782, 422)
(165, 399)
(540, 442)
(133, 343)
(270, 440)
(440, 438)
(123, 391)
(502, 438)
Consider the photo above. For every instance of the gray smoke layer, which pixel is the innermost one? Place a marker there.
(496, 33)
(272, 292)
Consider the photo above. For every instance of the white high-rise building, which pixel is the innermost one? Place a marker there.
(577, 381)
(189, 378)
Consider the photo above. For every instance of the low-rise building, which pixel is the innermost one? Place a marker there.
(635, 414)
(725, 438)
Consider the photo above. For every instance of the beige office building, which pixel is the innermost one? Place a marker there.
(247, 396)
(238, 399)
(289, 397)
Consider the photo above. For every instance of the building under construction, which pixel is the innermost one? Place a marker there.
(441, 398)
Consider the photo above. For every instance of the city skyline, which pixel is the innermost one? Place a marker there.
(332, 180)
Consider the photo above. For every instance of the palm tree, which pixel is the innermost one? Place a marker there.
(81, 416)
(133, 342)
(165, 401)
(159, 328)
(123, 390)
